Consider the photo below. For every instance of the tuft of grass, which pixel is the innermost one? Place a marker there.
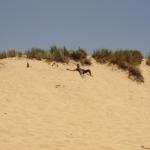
(135, 74)
(102, 56)
(3, 55)
(19, 54)
(11, 53)
(61, 55)
(124, 59)
(36, 53)
(148, 61)
(132, 57)
(58, 55)
(78, 55)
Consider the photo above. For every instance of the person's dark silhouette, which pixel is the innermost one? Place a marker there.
(27, 65)
(81, 71)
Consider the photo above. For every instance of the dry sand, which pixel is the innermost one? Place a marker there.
(49, 108)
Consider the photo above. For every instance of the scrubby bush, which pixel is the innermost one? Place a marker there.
(135, 74)
(19, 54)
(36, 53)
(136, 56)
(3, 55)
(148, 61)
(58, 54)
(102, 56)
(78, 55)
(11, 53)
(124, 59)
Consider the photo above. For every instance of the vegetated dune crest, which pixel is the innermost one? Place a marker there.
(48, 108)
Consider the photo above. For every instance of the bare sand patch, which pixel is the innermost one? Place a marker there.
(49, 108)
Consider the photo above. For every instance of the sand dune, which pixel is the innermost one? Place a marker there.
(49, 108)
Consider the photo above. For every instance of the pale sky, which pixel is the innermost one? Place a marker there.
(90, 24)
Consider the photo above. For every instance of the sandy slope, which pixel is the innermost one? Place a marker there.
(49, 108)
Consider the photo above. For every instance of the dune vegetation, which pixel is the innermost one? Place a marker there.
(148, 61)
(128, 60)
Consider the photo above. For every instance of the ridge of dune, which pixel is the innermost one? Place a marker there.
(50, 108)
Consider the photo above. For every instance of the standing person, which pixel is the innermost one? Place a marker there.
(27, 65)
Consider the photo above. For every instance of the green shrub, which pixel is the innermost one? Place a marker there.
(3, 55)
(102, 56)
(148, 61)
(19, 54)
(58, 54)
(129, 57)
(122, 65)
(135, 74)
(78, 55)
(36, 53)
(11, 53)
(124, 59)
(137, 57)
